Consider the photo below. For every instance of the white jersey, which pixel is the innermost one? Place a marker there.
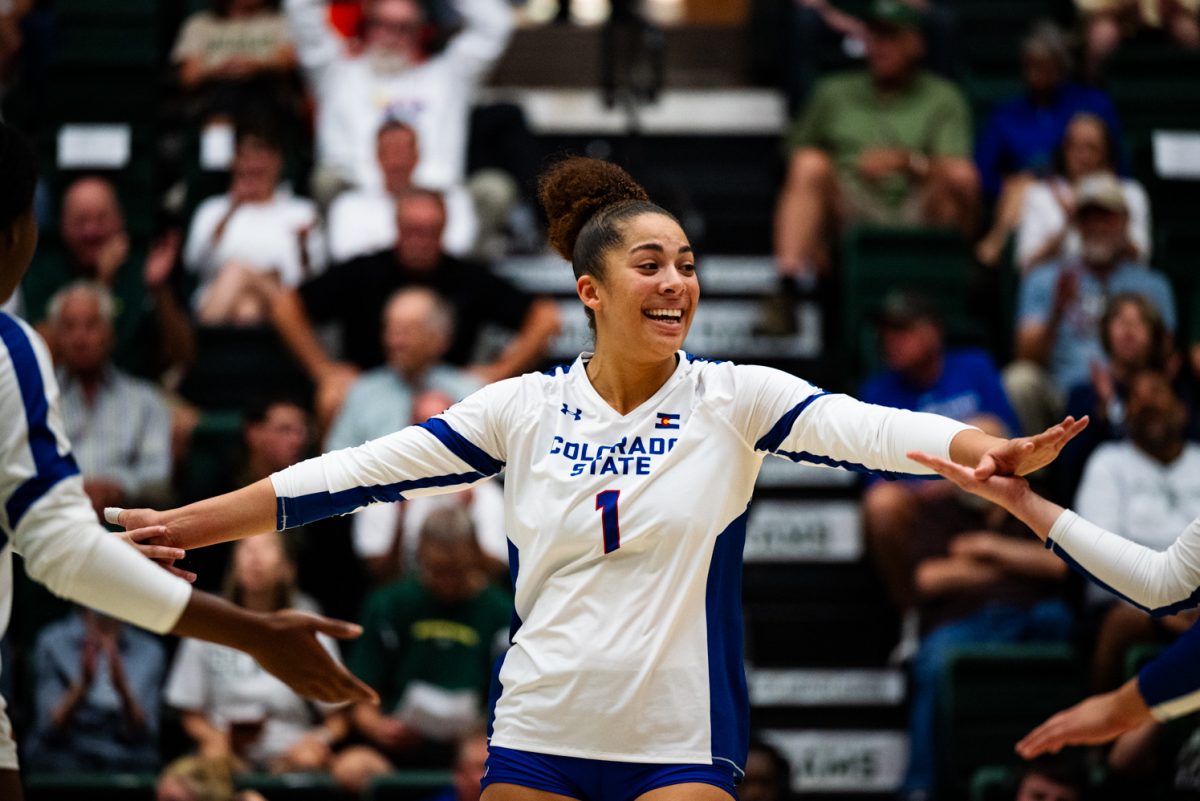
(46, 516)
(626, 535)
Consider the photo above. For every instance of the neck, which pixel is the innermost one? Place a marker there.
(1165, 453)
(625, 385)
(1101, 268)
(927, 372)
(894, 83)
(89, 380)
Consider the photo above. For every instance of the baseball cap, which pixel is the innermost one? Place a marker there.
(894, 14)
(901, 308)
(1100, 190)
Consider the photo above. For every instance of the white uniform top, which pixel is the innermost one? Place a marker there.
(626, 535)
(46, 516)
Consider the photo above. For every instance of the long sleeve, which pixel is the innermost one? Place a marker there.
(447, 453)
(788, 417)
(317, 46)
(48, 517)
(1170, 685)
(1159, 582)
(488, 24)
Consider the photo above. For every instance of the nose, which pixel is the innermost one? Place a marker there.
(672, 280)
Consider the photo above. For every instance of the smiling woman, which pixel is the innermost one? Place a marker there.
(629, 476)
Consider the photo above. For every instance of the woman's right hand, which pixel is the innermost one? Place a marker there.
(152, 540)
(288, 649)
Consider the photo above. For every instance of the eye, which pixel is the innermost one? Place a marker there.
(650, 265)
(690, 267)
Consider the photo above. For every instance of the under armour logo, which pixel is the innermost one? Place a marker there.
(577, 414)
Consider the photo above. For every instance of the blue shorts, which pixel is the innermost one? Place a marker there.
(595, 779)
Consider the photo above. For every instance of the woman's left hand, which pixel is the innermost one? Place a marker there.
(1024, 455)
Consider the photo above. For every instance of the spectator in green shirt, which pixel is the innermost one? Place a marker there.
(890, 146)
(428, 646)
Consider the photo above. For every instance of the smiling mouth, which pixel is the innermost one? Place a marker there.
(668, 316)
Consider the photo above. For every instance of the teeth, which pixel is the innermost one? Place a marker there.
(666, 314)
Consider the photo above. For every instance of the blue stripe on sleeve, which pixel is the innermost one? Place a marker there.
(1174, 673)
(778, 433)
(1162, 611)
(51, 466)
(304, 509)
(461, 447)
(812, 458)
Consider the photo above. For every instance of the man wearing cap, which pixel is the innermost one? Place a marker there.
(1061, 303)
(921, 375)
(889, 145)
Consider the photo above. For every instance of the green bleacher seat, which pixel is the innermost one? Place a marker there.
(992, 696)
(936, 263)
(408, 785)
(292, 786)
(91, 786)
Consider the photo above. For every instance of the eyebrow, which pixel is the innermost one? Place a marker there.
(657, 248)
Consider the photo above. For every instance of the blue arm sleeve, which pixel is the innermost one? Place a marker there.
(1170, 685)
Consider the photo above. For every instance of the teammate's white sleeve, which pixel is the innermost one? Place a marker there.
(488, 24)
(48, 517)
(1159, 582)
(447, 453)
(789, 417)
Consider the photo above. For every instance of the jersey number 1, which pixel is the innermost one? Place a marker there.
(606, 504)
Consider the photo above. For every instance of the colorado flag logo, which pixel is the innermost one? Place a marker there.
(666, 420)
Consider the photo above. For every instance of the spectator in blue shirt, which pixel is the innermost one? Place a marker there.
(1061, 305)
(921, 375)
(1017, 144)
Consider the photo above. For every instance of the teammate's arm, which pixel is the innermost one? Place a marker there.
(1160, 582)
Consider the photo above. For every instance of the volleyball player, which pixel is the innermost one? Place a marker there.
(47, 518)
(629, 475)
(1157, 582)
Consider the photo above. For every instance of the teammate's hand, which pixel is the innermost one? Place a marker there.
(152, 540)
(289, 650)
(1006, 491)
(1024, 455)
(1092, 721)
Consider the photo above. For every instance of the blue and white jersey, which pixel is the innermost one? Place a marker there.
(47, 518)
(626, 536)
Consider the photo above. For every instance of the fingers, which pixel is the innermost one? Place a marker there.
(186, 575)
(949, 469)
(986, 468)
(161, 553)
(338, 629)
(1045, 738)
(112, 515)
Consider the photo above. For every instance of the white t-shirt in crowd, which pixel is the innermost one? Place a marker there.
(228, 686)
(267, 236)
(363, 221)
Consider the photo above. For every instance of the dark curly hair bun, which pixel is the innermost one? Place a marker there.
(573, 190)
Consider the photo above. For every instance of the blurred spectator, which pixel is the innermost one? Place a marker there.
(418, 327)
(470, 763)
(236, 56)
(119, 426)
(427, 647)
(890, 145)
(230, 706)
(247, 244)
(199, 779)
(275, 434)
(1146, 489)
(830, 25)
(768, 774)
(11, 12)
(363, 221)
(96, 697)
(1058, 777)
(152, 332)
(1135, 339)
(1107, 22)
(386, 534)
(1047, 229)
(354, 295)
(1020, 141)
(393, 77)
(1061, 304)
(922, 375)
(980, 577)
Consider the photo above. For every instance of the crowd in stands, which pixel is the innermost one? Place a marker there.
(352, 236)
